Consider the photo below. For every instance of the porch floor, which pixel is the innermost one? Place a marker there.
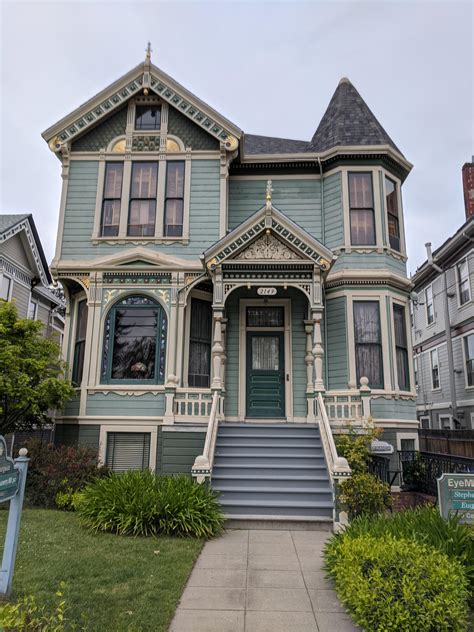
(261, 581)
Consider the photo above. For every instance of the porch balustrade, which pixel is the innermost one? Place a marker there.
(344, 407)
(193, 403)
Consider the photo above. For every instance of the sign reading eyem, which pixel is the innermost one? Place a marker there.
(456, 496)
(266, 291)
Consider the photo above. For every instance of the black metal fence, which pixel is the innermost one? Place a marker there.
(420, 470)
(380, 467)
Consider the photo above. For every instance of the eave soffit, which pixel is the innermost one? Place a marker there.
(134, 259)
(260, 235)
(149, 77)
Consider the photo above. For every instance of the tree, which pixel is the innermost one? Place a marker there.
(31, 373)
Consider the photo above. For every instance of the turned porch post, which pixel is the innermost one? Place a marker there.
(217, 350)
(224, 352)
(309, 360)
(318, 351)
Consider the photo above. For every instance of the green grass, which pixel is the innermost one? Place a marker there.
(114, 583)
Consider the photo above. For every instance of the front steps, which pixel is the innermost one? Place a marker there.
(272, 472)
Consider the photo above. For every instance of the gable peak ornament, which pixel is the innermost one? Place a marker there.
(268, 247)
(148, 51)
(268, 197)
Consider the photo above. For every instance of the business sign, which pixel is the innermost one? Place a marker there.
(456, 496)
(9, 475)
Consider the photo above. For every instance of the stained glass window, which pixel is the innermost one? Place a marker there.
(135, 341)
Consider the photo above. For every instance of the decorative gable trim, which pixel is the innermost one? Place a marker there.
(36, 255)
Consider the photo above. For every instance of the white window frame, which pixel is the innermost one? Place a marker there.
(408, 435)
(431, 351)
(449, 418)
(348, 247)
(401, 227)
(153, 430)
(464, 358)
(411, 372)
(32, 301)
(10, 287)
(458, 281)
(429, 287)
(425, 418)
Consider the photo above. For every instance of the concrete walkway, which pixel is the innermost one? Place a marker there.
(261, 581)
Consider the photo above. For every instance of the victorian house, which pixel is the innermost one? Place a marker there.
(232, 299)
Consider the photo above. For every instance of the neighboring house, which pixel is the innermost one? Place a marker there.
(187, 273)
(444, 353)
(24, 274)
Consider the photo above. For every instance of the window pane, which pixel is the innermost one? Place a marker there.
(110, 218)
(5, 288)
(81, 327)
(366, 321)
(142, 218)
(174, 218)
(391, 197)
(265, 317)
(393, 232)
(469, 348)
(400, 328)
(175, 179)
(144, 180)
(360, 190)
(113, 180)
(134, 350)
(265, 353)
(147, 117)
(367, 336)
(80, 344)
(200, 343)
(362, 228)
(369, 364)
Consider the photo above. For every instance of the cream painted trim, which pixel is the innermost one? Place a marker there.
(100, 197)
(105, 428)
(62, 211)
(151, 156)
(160, 197)
(380, 276)
(113, 262)
(187, 196)
(403, 303)
(69, 355)
(345, 170)
(309, 176)
(244, 303)
(401, 219)
(125, 203)
(203, 296)
(407, 435)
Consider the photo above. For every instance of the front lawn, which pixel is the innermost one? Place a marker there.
(114, 583)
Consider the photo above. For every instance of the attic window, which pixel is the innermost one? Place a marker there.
(148, 117)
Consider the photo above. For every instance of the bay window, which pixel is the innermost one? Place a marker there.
(401, 348)
(135, 342)
(112, 199)
(361, 209)
(141, 220)
(391, 203)
(174, 199)
(469, 355)
(368, 343)
(80, 343)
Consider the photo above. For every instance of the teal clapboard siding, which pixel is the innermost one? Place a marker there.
(300, 200)
(83, 436)
(232, 352)
(299, 306)
(333, 211)
(99, 404)
(80, 210)
(336, 343)
(369, 261)
(176, 451)
(71, 409)
(383, 408)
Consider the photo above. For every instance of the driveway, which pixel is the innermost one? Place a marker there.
(261, 581)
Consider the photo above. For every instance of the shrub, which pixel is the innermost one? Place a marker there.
(424, 525)
(399, 585)
(27, 616)
(141, 503)
(365, 494)
(355, 447)
(59, 470)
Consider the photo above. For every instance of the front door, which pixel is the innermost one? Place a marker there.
(265, 374)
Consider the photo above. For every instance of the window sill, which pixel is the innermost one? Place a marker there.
(140, 240)
(464, 305)
(436, 390)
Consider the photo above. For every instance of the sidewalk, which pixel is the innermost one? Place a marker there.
(261, 581)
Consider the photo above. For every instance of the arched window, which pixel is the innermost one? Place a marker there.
(135, 342)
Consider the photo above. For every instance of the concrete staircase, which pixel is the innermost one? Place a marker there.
(272, 471)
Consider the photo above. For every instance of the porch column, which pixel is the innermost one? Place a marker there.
(309, 360)
(224, 353)
(217, 350)
(318, 351)
(171, 380)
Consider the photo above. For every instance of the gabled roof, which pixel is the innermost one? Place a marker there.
(349, 122)
(10, 225)
(149, 77)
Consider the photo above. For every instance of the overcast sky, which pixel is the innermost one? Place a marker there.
(270, 67)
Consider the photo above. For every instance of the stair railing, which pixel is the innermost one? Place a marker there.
(202, 467)
(338, 466)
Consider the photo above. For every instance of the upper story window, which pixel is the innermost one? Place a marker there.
(32, 309)
(148, 117)
(434, 369)
(463, 282)
(368, 343)
(361, 209)
(174, 199)
(141, 218)
(112, 198)
(429, 305)
(391, 203)
(401, 347)
(80, 343)
(135, 342)
(5, 288)
(469, 353)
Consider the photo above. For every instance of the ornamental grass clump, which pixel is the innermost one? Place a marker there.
(143, 504)
(399, 585)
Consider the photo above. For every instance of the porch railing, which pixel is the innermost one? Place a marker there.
(420, 470)
(203, 463)
(344, 406)
(193, 403)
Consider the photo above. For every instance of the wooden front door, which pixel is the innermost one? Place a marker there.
(265, 374)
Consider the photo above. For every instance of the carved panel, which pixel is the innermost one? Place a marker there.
(268, 247)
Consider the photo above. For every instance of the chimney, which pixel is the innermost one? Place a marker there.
(468, 187)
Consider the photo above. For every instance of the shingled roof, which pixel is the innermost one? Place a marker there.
(254, 144)
(348, 121)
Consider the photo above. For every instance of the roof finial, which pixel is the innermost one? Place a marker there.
(148, 52)
(269, 195)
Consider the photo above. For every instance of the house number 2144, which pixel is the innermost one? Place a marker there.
(266, 291)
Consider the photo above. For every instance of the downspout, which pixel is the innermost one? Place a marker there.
(447, 323)
(323, 234)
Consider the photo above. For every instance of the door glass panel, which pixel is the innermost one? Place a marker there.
(265, 353)
(265, 317)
